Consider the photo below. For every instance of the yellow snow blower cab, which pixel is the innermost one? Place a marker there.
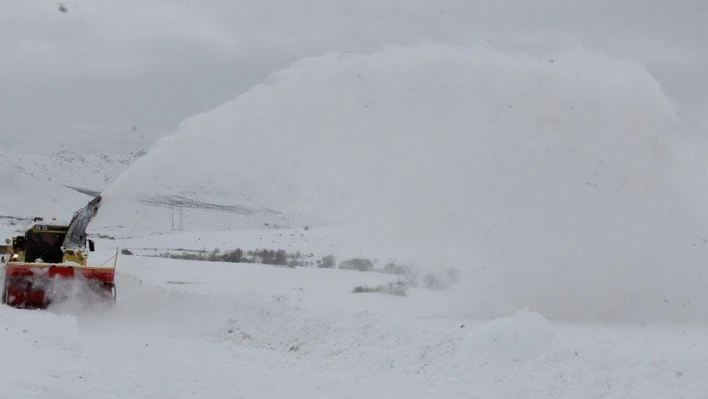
(53, 252)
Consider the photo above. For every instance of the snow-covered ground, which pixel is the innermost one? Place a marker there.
(205, 329)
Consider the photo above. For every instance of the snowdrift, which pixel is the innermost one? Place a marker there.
(551, 181)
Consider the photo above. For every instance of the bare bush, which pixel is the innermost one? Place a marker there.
(278, 257)
(327, 262)
(432, 282)
(398, 288)
(393, 268)
(360, 264)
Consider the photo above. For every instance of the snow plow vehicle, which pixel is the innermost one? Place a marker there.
(50, 262)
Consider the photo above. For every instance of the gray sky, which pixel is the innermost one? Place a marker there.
(106, 65)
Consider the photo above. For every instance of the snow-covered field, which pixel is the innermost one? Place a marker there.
(204, 329)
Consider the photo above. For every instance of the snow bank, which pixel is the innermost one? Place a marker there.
(549, 180)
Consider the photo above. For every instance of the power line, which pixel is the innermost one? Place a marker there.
(178, 224)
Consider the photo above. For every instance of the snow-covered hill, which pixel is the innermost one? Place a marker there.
(88, 173)
(54, 184)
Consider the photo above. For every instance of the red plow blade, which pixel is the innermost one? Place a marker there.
(36, 286)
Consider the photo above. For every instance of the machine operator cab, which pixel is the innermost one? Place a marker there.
(43, 243)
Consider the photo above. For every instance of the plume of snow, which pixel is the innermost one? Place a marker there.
(549, 181)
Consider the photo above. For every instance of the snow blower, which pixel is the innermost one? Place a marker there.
(52, 256)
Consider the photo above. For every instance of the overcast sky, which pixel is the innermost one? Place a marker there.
(107, 65)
